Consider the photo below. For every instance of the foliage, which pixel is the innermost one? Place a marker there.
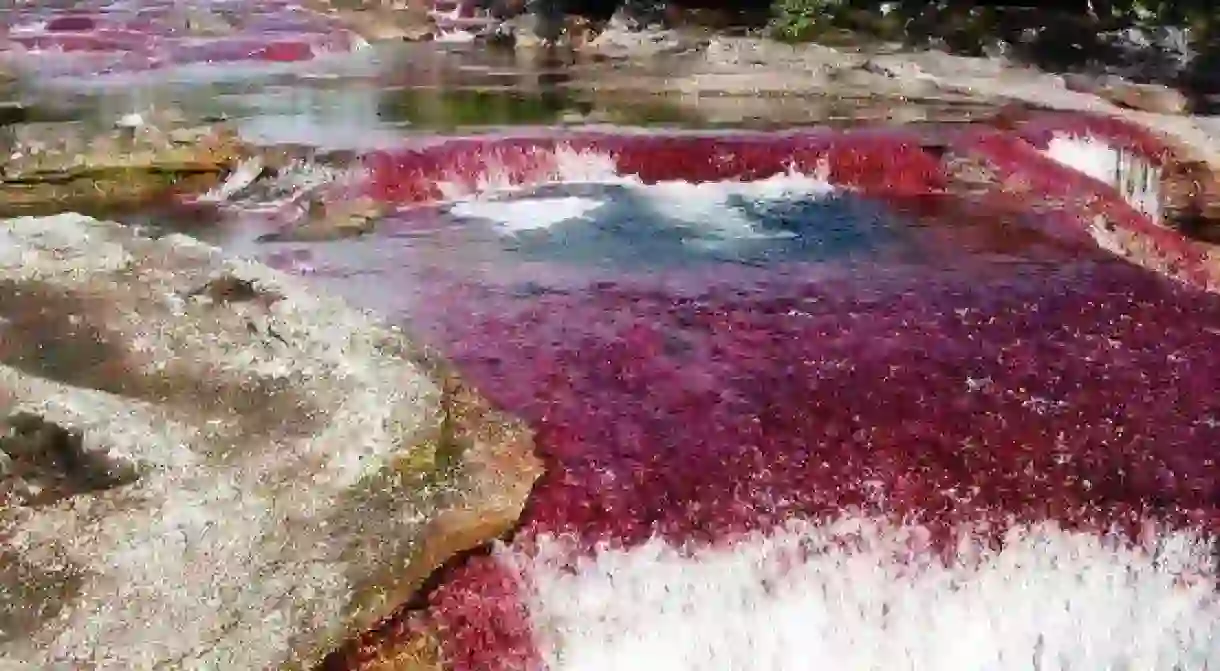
(799, 20)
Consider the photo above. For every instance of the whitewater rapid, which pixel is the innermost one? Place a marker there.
(861, 595)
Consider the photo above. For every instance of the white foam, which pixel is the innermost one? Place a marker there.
(1138, 180)
(713, 207)
(1050, 600)
(238, 180)
(568, 165)
(455, 36)
(527, 215)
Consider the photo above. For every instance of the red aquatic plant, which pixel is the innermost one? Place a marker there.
(1009, 372)
(94, 38)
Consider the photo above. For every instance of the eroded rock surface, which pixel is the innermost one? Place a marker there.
(54, 166)
(1147, 97)
(243, 474)
(378, 21)
(42, 462)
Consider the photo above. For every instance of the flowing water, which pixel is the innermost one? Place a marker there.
(795, 417)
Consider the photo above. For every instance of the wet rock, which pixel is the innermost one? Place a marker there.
(400, 644)
(54, 166)
(1190, 199)
(326, 220)
(12, 112)
(299, 463)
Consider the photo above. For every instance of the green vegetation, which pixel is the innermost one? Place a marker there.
(804, 20)
(915, 20)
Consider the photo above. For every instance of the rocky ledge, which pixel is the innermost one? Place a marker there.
(204, 466)
(52, 166)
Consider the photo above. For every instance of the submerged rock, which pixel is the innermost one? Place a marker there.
(331, 220)
(244, 474)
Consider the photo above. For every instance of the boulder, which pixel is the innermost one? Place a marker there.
(207, 466)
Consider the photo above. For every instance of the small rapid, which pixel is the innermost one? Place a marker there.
(862, 594)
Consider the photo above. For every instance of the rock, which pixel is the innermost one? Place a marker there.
(521, 31)
(200, 22)
(1145, 97)
(12, 112)
(578, 32)
(642, 44)
(1081, 83)
(383, 25)
(1190, 199)
(52, 463)
(55, 166)
(403, 643)
(381, 21)
(331, 220)
(245, 475)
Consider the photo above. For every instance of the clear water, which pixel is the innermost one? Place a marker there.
(619, 225)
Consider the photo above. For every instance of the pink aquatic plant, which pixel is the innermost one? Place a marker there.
(993, 369)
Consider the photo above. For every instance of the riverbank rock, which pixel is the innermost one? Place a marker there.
(206, 466)
(384, 25)
(379, 21)
(323, 220)
(56, 166)
(619, 43)
(1154, 98)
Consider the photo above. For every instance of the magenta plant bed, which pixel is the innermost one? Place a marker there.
(99, 38)
(841, 351)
